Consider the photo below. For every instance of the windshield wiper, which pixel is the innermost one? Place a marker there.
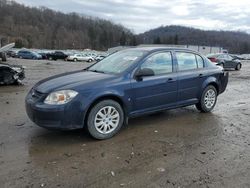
(96, 71)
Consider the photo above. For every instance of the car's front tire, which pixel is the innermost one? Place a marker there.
(208, 99)
(105, 119)
(238, 66)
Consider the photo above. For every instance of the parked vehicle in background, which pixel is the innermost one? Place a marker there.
(26, 54)
(56, 55)
(44, 55)
(234, 56)
(100, 57)
(245, 56)
(126, 84)
(12, 53)
(225, 61)
(11, 74)
(80, 57)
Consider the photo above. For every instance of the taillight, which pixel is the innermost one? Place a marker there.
(213, 59)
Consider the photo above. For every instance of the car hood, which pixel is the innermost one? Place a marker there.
(70, 80)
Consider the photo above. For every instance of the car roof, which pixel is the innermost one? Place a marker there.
(215, 55)
(159, 48)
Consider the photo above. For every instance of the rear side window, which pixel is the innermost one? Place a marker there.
(200, 62)
(160, 63)
(186, 61)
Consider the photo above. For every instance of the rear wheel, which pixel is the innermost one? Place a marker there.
(238, 66)
(75, 60)
(208, 99)
(90, 60)
(105, 119)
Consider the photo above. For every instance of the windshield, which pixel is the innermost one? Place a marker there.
(117, 62)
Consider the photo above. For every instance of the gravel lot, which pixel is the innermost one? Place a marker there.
(176, 148)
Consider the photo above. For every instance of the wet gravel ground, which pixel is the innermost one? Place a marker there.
(176, 148)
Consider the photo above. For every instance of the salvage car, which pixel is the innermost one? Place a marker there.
(11, 74)
(225, 60)
(126, 84)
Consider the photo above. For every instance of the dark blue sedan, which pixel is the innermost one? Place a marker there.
(126, 84)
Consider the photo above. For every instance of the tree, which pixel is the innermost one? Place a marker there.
(157, 40)
(133, 41)
(176, 39)
(123, 39)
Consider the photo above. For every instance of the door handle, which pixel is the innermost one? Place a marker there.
(200, 75)
(170, 80)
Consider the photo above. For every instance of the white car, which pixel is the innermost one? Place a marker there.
(80, 57)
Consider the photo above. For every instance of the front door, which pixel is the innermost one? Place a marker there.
(157, 91)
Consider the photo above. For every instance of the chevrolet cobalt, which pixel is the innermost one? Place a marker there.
(126, 84)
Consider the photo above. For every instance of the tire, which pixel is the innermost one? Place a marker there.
(96, 125)
(210, 94)
(90, 60)
(75, 60)
(238, 66)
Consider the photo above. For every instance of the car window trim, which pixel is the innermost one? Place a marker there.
(197, 62)
(150, 55)
(183, 51)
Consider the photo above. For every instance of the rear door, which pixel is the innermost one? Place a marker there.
(190, 76)
(229, 63)
(158, 91)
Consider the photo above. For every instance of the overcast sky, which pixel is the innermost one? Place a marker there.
(142, 15)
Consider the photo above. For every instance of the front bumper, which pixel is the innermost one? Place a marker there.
(65, 117)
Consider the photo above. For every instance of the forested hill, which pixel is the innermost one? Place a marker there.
(236, 42)
(33, 27)
(45, 28)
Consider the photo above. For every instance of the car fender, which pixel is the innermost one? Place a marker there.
(210, 80)
(106, 94)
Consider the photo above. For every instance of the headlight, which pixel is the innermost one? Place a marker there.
(60, 97)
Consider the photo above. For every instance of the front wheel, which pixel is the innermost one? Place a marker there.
(208, 99)
(105, 119)
(90, 60)
(238, 67)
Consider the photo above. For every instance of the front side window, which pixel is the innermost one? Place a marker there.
(160, 63)
(186, 61)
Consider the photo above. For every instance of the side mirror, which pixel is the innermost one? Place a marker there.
(144, 72)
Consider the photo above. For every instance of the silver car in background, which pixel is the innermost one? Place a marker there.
(80, 57)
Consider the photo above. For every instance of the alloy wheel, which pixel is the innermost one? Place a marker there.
(106, 120)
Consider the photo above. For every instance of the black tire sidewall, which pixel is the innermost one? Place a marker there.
(202, 100)
(238, 67)
(91, 118)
